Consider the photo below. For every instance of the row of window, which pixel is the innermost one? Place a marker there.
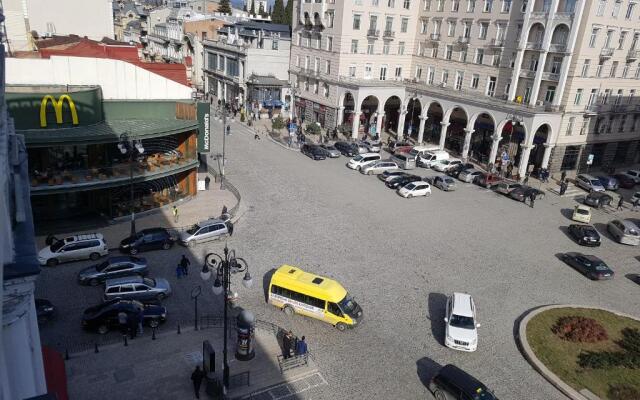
(479, 56)
(313, 86)
(306, 299)
(218, 62)
(487, 5)
(315, 66)
(483, 29)
(604, 70)
(609, 42)
(611, 124)
(373, 23)
(604, 97)
(386, 47)
(615, 10)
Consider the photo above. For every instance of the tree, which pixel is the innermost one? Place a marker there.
(224, 7)
(270, 11)
(252, 11)
(288, 13)
(244, 7)
(261, 10)
(278, 16)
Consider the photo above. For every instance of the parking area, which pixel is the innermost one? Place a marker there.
(399, 258)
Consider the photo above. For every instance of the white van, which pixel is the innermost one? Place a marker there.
(430, 157)
(417, 151)
(404, 160)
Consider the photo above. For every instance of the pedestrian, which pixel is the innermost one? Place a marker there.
(224, 210)
(122, 322)
(140, 322)
(287, 340)
(230, 228)
(620, 203)
(256, 136)
(178, 271)
(301, 347)
(526, 179)
(532, 199)
(184, 265)
(563, 176)
(197, 376)
(635, 203)
(228, 130)
(509, 170)
(175, 214)
(207, 180)
(563, 187)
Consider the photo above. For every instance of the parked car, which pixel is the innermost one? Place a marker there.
(402, 181)
(418, 151)
(426, 159)
(461, 331)
(136, 288)
(387, 175)
(506, 187)
(456, 170)
(635, 196)
(404, 160)
(206, 231)
(581, 214)
(590, 266)
(585, 235)
(444, 182)
(361, 160)
(361, 147)
(452, 383)
(113, 267)
(378, 167)
(524, 193)
(45, 311)
(103, 317)
(400, 147)
(589, 183)
(147, 239)
(71, 248)
(609, 182)
(374, 146)
(633, 174)
(313, 151)
(469, 175)
(346, 149)
(487, 180)
(445, 165)
(625, 181)
(624, 231)
(330, 151)
(415, 189)
(597, 199)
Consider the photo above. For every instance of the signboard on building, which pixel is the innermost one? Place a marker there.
(204, 127)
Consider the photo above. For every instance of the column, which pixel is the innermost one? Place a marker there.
(538, 79)
(443, 134)
(467, 142)
(355, 125)
(515, 78)
(494, 148)
(379, 124)
(423, 120)
(524, 160)
(573, 34)
(340, 118)
(547, 154)
(401, 118)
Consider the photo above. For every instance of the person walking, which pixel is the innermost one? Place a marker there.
(140, 322)
(620, 203)
(635, 204)
(287, 341)
(526, 180)
(175, 214)
(563, 187)
(122, 322)
(532, 199)
(184, 265)
(301, 347)
(197, 376)
(563, 176)
(228, 130)
(207, 181)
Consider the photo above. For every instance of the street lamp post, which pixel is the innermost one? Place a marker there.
(131, 147)
(222, 118)
(224, 267)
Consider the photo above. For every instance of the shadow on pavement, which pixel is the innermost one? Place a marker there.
(426, 369)
(567, 213)
(635, 278)
(604, 232)
(437, 305)
(565, 230)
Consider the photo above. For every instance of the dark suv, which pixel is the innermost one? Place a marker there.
(103, 317)
(452, 383)
(147, 239)
(347, 149)
(314, 152)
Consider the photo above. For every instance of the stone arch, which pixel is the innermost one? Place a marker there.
(392, 107)
(348, 102)
(369, 107)
(458, 118)
(541, 136)
(412, 118)
(433, 128)
(512, 136)
(536, 33)
(560, 34)
(484, 129)
(447, 115)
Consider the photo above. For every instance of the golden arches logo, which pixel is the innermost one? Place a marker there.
(57, 107)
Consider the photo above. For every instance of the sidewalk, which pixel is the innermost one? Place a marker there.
(161, 368)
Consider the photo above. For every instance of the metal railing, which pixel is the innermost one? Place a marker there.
(551, 76)
(373, 33)
(495, 42)
(462, 40)
(389, 34)
(606, 52)
(527, 73)
(435, 37)
(533, 45)
(633, 54)
(558, 47)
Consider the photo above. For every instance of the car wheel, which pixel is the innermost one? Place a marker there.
(103, 329)
(409, 196)
(191, 243)
(52, 262)
(439, 395)
(161, 296)
(154, 323)
(370, 173)
(166, 246)
(288, 310)
(94, 282)
(341, 327)
(94, 256)
(133, 251)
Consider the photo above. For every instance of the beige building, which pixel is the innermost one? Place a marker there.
(542, 83)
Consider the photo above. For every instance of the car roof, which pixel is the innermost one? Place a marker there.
(587, 176)
(117, 259)
(629, 224)
(211, 221)
(369, 154)
(462, 304)
(153, 230)
(463, 380)
(592, 258)
(583, 207)
(85, 236)
(123, 280)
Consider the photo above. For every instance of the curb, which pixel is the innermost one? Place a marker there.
(527, 352)
(281, 145)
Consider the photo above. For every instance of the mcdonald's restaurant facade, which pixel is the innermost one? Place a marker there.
(77, 171)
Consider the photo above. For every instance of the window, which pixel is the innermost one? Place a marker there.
(474, 81)
(385, 48)
(423, 26)
(630, 8)
(404, 23)
(400, 48)
(426, 5)
(356, 22)
(495, 60)
(391, 3)
(599, 68)
(527, 94)
(418, 72)
(471, 6)
(524, 6)
(445, 76)
(570, 159)
(315, 87)
(434, 53)
(448, 52)
(451, 28)
(518, 32)
(585, 68)
(213, 61)
(605, 98)
(491, 86)
(601, 5)
(637, 72)
(570, 124)
(507, 87)
(506, 6)
(593, 96)
(439, 5)
(375, 3)
(368, 69)
(327, 67)
(614, 67)
(623, 121)
(487, 6)
(466, 30)
(398, 73)
(607, 42)
(578, 98)
(383, 73)
(370, 47)
(632, 93)
(430, 75)
(556, 65)
(388, 24)
(354, 46)
(406, 4)
(352, 71)
(334, 309)
(373, 22)
(329, 16)
(616, 8)
(329, 43)
(459, 79)
(302, 298)
(618, 99)
(463, 55)
(479, 56)
(551, 92)
(274, 44)
(484, 27)
(455, 5)
(421, 49)
(625, 70)
(623, 35)
(594, 35)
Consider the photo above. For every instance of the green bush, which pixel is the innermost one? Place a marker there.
(312, 129)
(601, 359)
(623, 392)
(630, 340)
(277, 123)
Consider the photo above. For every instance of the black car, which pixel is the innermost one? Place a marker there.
(598, 199)
(625, 181)
(314, 152)
(585, 235)
(591, 266)
(524, 193)
(44, 310)
(347, 149)
(391, 173)
(457, 169)
(113, 267)
(147, 239)
(402, 180)
(452, 383)
(104, 317)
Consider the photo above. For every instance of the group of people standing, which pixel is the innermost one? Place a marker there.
(131, 324)
(291, 344)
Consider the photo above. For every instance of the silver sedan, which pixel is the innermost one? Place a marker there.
(331, 151)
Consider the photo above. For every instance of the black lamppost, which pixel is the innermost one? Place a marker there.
(132, 147)
(224, 267)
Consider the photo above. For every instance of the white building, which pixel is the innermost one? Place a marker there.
(91, 18)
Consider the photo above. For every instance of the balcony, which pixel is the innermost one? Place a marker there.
(496, 43)
(558, 47)
(633, 55)
(373, 33)
(527, 73)
(619, 108)
(463, 41)
(435, 37)
(538, 15)
(551, 76)
(606, 52)
(563, 16)
(533, 46)
(389, 34)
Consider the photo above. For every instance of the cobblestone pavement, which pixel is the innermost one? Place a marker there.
(398, 257)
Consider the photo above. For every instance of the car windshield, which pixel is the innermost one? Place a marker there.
(595, 182)
(448, 180)
(582, 211)
(357, 158)
(348, 305)
(329, 147)
(413, 152)
(149, 282)
(590, 231)
(601, 267)
(57, 245)
(463, 322)
(632, 232)
(193, 229)
(102, 266)
(410, 186)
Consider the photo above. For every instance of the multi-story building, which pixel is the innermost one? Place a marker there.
(244, 53)
(491, 80)
(129, 21)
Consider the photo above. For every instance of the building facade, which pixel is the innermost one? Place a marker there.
(490, 80)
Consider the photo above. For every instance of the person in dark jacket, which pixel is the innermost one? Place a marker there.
(532, 199)
(197, 376)
(287, 342)
(184, 265)
(301, 347)
(620, 203)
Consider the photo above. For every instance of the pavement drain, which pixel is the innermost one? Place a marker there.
(123, 375)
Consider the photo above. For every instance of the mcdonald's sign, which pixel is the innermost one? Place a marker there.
(57, 107)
